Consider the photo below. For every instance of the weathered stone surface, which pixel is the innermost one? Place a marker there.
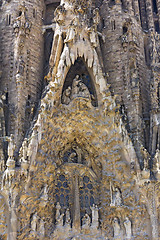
(80, 149)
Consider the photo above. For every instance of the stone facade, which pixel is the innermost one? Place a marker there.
(79, 119)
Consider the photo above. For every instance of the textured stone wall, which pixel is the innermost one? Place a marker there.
(89, 165)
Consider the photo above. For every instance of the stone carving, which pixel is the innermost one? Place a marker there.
(116, 228)
(86, 221)
(68, 219)
(42, 228)
(44, 196)
(146, 157)
(66, 96)
(116, 196)
(79, 89)
(60, 14)
(34, 222)
(11, 146)
(128, 228)
(95, 216)
(70, 33)
(156, 161)
(59, 216)
(24, 149)
(21, 22)
(71, 157)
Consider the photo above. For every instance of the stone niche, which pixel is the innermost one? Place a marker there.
(84, 83)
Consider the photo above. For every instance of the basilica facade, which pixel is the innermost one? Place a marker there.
(79, 119)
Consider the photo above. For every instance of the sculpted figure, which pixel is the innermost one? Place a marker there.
(86, 221)
(95, 216)
(66, 96)
(146, 158)
(58, 208)
(116, 227)
(24, 149)
(59, 216)
(70, 33)
(83, 90)
(79, 89)
(16, 26)
(11, 146)
(42, 228)
(116, 198)
(34, 222)
(71, 157)
(156, 162)
(68, 218)
(75, 87)
(128, 228)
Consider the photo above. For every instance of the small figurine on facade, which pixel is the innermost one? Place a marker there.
(59, 216)
(75, 87)
(68, 219)
(66, 96)
(116, 196)
(128, 228)
(156, 161)
(95, 216)
(34, 222)
(42, 228)
(116, 228)
(11, 146)
(86, 221)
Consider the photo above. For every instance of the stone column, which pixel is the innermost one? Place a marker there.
(76, 206)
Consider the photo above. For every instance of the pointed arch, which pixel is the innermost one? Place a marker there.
(79, 68)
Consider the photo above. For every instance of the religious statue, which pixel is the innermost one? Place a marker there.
(75, 87)
(70, 33)
(86, 221)
(146, 157)
(156, 161)
(95, 216)
(79, 89)
(24, 149)
(11, 146)
(71, 158)
(42, 228)
(44, 196)
(34, 222)
(59, 216)
(116, 227)
(66, 96)
(128, 228)
(83, 90)
(116, 196)
(68, 218)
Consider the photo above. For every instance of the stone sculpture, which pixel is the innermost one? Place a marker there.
(86, 221)
(116, 197)
(128, 228)
(116, 227)
(79, 89)
(95, 216)
(66, 96)
(68, 219)
(11, 146)
(34, 222)
(59, 216)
